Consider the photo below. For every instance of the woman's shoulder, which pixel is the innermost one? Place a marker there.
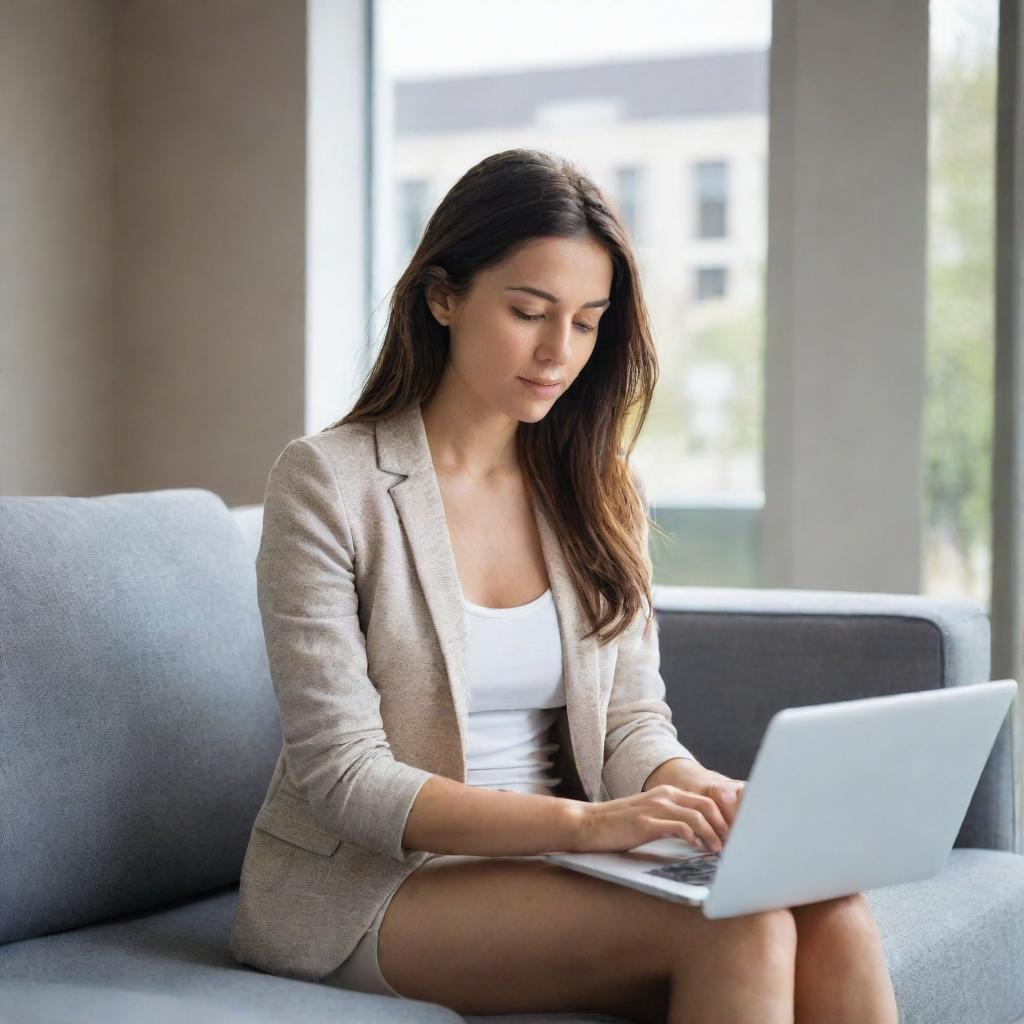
(349, 448)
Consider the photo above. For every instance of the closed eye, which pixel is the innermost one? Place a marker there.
(584, 328)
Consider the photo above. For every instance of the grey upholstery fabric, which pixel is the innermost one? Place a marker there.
(133, 674)
(955, 943)
(137, 732)
(139, 967)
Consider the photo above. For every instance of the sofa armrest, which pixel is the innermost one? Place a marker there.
(732, 657)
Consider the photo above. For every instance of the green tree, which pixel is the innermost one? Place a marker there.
(734, 340)
(958, 379)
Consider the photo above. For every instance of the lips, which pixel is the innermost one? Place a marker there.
(548, 390)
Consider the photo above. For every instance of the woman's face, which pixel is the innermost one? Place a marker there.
(533, 317)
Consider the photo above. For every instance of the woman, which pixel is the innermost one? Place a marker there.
(454, 582)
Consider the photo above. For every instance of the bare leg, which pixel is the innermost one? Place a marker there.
(743, 974)
(517, 935)
(514, 935)
(841, 972)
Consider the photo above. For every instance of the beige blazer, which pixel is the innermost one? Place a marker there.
(367, 644)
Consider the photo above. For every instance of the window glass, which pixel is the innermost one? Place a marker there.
(665, 105)
(710, 283)
(711, 190)
(629, 186)
(957, 543)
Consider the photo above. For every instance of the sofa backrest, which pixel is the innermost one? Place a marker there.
(138, 728)
(732, 657)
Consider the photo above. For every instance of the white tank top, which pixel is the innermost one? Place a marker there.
(516, 689)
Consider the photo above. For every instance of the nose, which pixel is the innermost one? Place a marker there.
(558, 340)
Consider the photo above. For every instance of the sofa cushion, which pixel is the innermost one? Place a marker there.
(143, 965)
(139, 729)
(955, 943)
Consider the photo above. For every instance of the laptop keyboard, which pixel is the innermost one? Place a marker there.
(699, 870)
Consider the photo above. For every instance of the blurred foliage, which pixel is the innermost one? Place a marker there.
(960, 326)
(733, 338)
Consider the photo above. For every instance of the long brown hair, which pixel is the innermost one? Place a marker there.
(575, 460)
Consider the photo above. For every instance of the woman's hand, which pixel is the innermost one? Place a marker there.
(698, 806)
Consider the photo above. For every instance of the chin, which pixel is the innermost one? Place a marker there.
(535, 415)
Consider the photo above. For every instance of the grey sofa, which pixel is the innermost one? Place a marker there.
(138, 730)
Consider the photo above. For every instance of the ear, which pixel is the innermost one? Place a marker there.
(438, 297)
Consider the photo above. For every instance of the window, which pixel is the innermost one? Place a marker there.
(711, 187)
(411, 214)
(957, 542)
(629, 185)
(633, 96)
(710, 283)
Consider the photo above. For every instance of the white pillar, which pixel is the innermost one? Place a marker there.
(844, 366)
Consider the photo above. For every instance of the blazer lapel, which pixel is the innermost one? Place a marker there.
(402, 449)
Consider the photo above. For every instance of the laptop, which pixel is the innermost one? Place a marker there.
(841, 797)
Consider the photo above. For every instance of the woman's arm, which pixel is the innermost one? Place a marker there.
(676, 771)
(640, 736)
(336, 749)
(450, 817)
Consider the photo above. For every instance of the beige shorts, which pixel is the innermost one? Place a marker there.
(360, 972)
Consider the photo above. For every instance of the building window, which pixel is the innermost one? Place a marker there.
(711, 283)
(629, 187)
(711, 189)
(411, 214)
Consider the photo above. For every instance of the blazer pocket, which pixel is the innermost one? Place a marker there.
(283, 817)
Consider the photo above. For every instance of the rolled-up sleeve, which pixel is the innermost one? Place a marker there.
(640, 734)
(336, 749)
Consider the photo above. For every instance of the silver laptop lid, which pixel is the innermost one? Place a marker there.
(855, 795)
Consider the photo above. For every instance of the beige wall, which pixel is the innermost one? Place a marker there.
(57, 367)
(210, 184)
(153, 280)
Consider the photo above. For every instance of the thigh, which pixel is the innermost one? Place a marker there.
(521, 935)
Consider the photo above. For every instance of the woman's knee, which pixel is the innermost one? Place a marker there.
(846, 919)
(772, 934)
(766, 938)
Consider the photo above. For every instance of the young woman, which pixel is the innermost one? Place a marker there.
(454, 583)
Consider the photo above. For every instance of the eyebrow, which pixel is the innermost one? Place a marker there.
(599, 303)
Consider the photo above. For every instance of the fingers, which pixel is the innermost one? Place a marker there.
(727, 798)
(727, 793)
(707, 806)
(678, 830)
(705, 820)
(693, 817)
